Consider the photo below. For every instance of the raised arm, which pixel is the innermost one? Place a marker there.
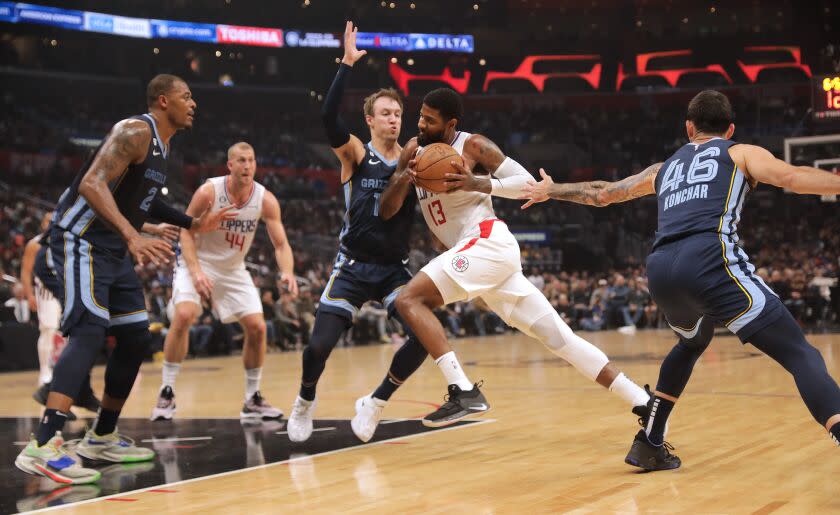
(400, 183)
(762, 166)
(27, 264)
(349, 149)
(277, 233)
(593, 193)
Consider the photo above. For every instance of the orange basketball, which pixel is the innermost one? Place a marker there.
(433, 163)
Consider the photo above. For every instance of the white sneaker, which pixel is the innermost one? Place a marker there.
(51, 460)
(299, 427)
(165, 407)
(627, 329)
(368, 414)
(112, 447)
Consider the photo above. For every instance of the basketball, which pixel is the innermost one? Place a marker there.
(433, 163)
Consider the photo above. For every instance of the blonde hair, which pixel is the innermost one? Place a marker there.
(384, 92)
(240, 145)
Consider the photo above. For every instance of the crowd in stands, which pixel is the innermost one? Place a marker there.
(590, 264)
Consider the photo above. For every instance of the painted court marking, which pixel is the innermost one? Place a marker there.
(177, 439)
(115, 497)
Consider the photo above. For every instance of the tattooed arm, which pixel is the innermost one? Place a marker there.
(593, 193)
(126, 144)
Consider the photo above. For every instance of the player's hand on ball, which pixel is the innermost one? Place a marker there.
(536, 192)
(291, 283)
(464, 180)
(351, 53)
(144, 249)
(212, 220)
(203, 284)
(411, 170)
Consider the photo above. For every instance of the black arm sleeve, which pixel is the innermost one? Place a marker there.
(337, 132)
(162, 211)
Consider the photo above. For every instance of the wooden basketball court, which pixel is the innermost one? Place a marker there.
(554, 442)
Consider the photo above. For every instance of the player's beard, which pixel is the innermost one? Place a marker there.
(427, 138)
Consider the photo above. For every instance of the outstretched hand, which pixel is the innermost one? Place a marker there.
(535, 192)
(212, 220)
(351, 53)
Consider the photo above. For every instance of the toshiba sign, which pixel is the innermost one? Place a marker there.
(255, 36)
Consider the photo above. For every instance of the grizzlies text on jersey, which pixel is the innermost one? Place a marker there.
(133, 191)
(364, 235)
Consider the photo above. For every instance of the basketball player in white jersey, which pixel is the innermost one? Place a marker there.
(482, 261)
(212, 266)
(44, 303)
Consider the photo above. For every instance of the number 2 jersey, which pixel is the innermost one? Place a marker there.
(134, 191)
(699, 189)
(226, 248)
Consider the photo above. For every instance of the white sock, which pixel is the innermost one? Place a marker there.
(170, 373)
(45, 345)
(629, 391)
(453, 372)
(252, 381)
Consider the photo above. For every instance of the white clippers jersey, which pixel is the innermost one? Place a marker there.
(227, 247)
(453, 217)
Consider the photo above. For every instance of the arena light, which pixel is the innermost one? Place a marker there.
(402, 78)
(752, 70)
(671, 76)
(525, 71)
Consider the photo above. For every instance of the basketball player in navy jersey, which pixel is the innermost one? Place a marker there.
(373, 253)
(96, 228)
(697, 273)
(37, 262)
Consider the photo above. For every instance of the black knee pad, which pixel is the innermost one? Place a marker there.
(702, 339)
(125, 360)
(85, 342)
(325, 335)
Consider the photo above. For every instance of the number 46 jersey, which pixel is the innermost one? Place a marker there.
(226, 248)
(699, 189)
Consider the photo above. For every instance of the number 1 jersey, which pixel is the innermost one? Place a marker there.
(226, 248)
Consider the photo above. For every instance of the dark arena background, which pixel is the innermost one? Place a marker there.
(589, 90)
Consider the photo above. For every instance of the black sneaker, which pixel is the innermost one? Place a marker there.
(643, 411)
(459, 405)
(649, 457)
(88, 400)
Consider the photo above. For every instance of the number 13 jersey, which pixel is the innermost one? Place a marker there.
(453, 217)
(226, 248)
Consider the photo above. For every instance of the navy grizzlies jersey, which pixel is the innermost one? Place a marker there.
(364, 235)
(134, 191)
(700, 190)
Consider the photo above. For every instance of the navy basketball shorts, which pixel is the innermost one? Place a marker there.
(96, 286)
(45, 271)
(708, 275)
(353, 283)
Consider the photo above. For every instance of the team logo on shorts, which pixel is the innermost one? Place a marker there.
(460, 263)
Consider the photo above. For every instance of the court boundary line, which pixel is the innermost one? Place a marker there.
(267, 465)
